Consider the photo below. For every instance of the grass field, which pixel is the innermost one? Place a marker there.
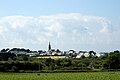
(61, 76)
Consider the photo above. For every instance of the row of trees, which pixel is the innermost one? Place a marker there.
(51, 64)
(15, 49)
(11, 62)
(112, 60)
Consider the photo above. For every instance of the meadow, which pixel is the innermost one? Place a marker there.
(61, 76)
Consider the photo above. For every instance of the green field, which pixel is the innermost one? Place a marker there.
(61, 76)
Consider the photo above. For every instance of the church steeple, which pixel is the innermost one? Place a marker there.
(49, 47)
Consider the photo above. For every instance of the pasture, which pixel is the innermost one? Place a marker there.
(61, 76)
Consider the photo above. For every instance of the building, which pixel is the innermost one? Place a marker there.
(49, 47)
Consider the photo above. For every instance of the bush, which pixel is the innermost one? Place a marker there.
(14, 69)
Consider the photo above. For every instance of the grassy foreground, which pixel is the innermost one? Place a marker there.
(61, 76)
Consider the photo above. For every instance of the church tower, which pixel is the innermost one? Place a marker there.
(49, 47)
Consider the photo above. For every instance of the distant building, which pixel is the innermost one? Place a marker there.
(51, 53)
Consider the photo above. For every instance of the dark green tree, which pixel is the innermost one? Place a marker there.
(113, 60)
(90, 54)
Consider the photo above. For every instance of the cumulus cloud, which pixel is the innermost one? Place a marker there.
(65, 31)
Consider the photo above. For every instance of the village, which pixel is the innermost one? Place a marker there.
(52, 53)
(20, 59)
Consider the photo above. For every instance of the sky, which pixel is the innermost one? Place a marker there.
(67, 24)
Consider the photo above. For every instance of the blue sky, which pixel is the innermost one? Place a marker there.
(105, 8)
(102, 13)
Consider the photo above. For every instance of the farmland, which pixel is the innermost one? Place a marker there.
(61, 76)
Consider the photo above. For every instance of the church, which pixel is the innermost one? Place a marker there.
(52, 53)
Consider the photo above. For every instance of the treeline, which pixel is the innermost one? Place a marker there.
(50, 64)
(10, 62)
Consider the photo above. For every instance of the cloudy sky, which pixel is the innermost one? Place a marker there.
(67, 24)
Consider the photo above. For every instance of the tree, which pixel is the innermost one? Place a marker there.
(28, 51)
(113, 61)
(116, 51)
(58, 51)
(90, 54)
(40, 51)
(4, 50)
(104, 55)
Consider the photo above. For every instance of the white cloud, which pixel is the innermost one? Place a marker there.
(65, 31)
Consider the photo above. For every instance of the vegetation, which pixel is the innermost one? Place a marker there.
(61, 76)
(11, 62)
